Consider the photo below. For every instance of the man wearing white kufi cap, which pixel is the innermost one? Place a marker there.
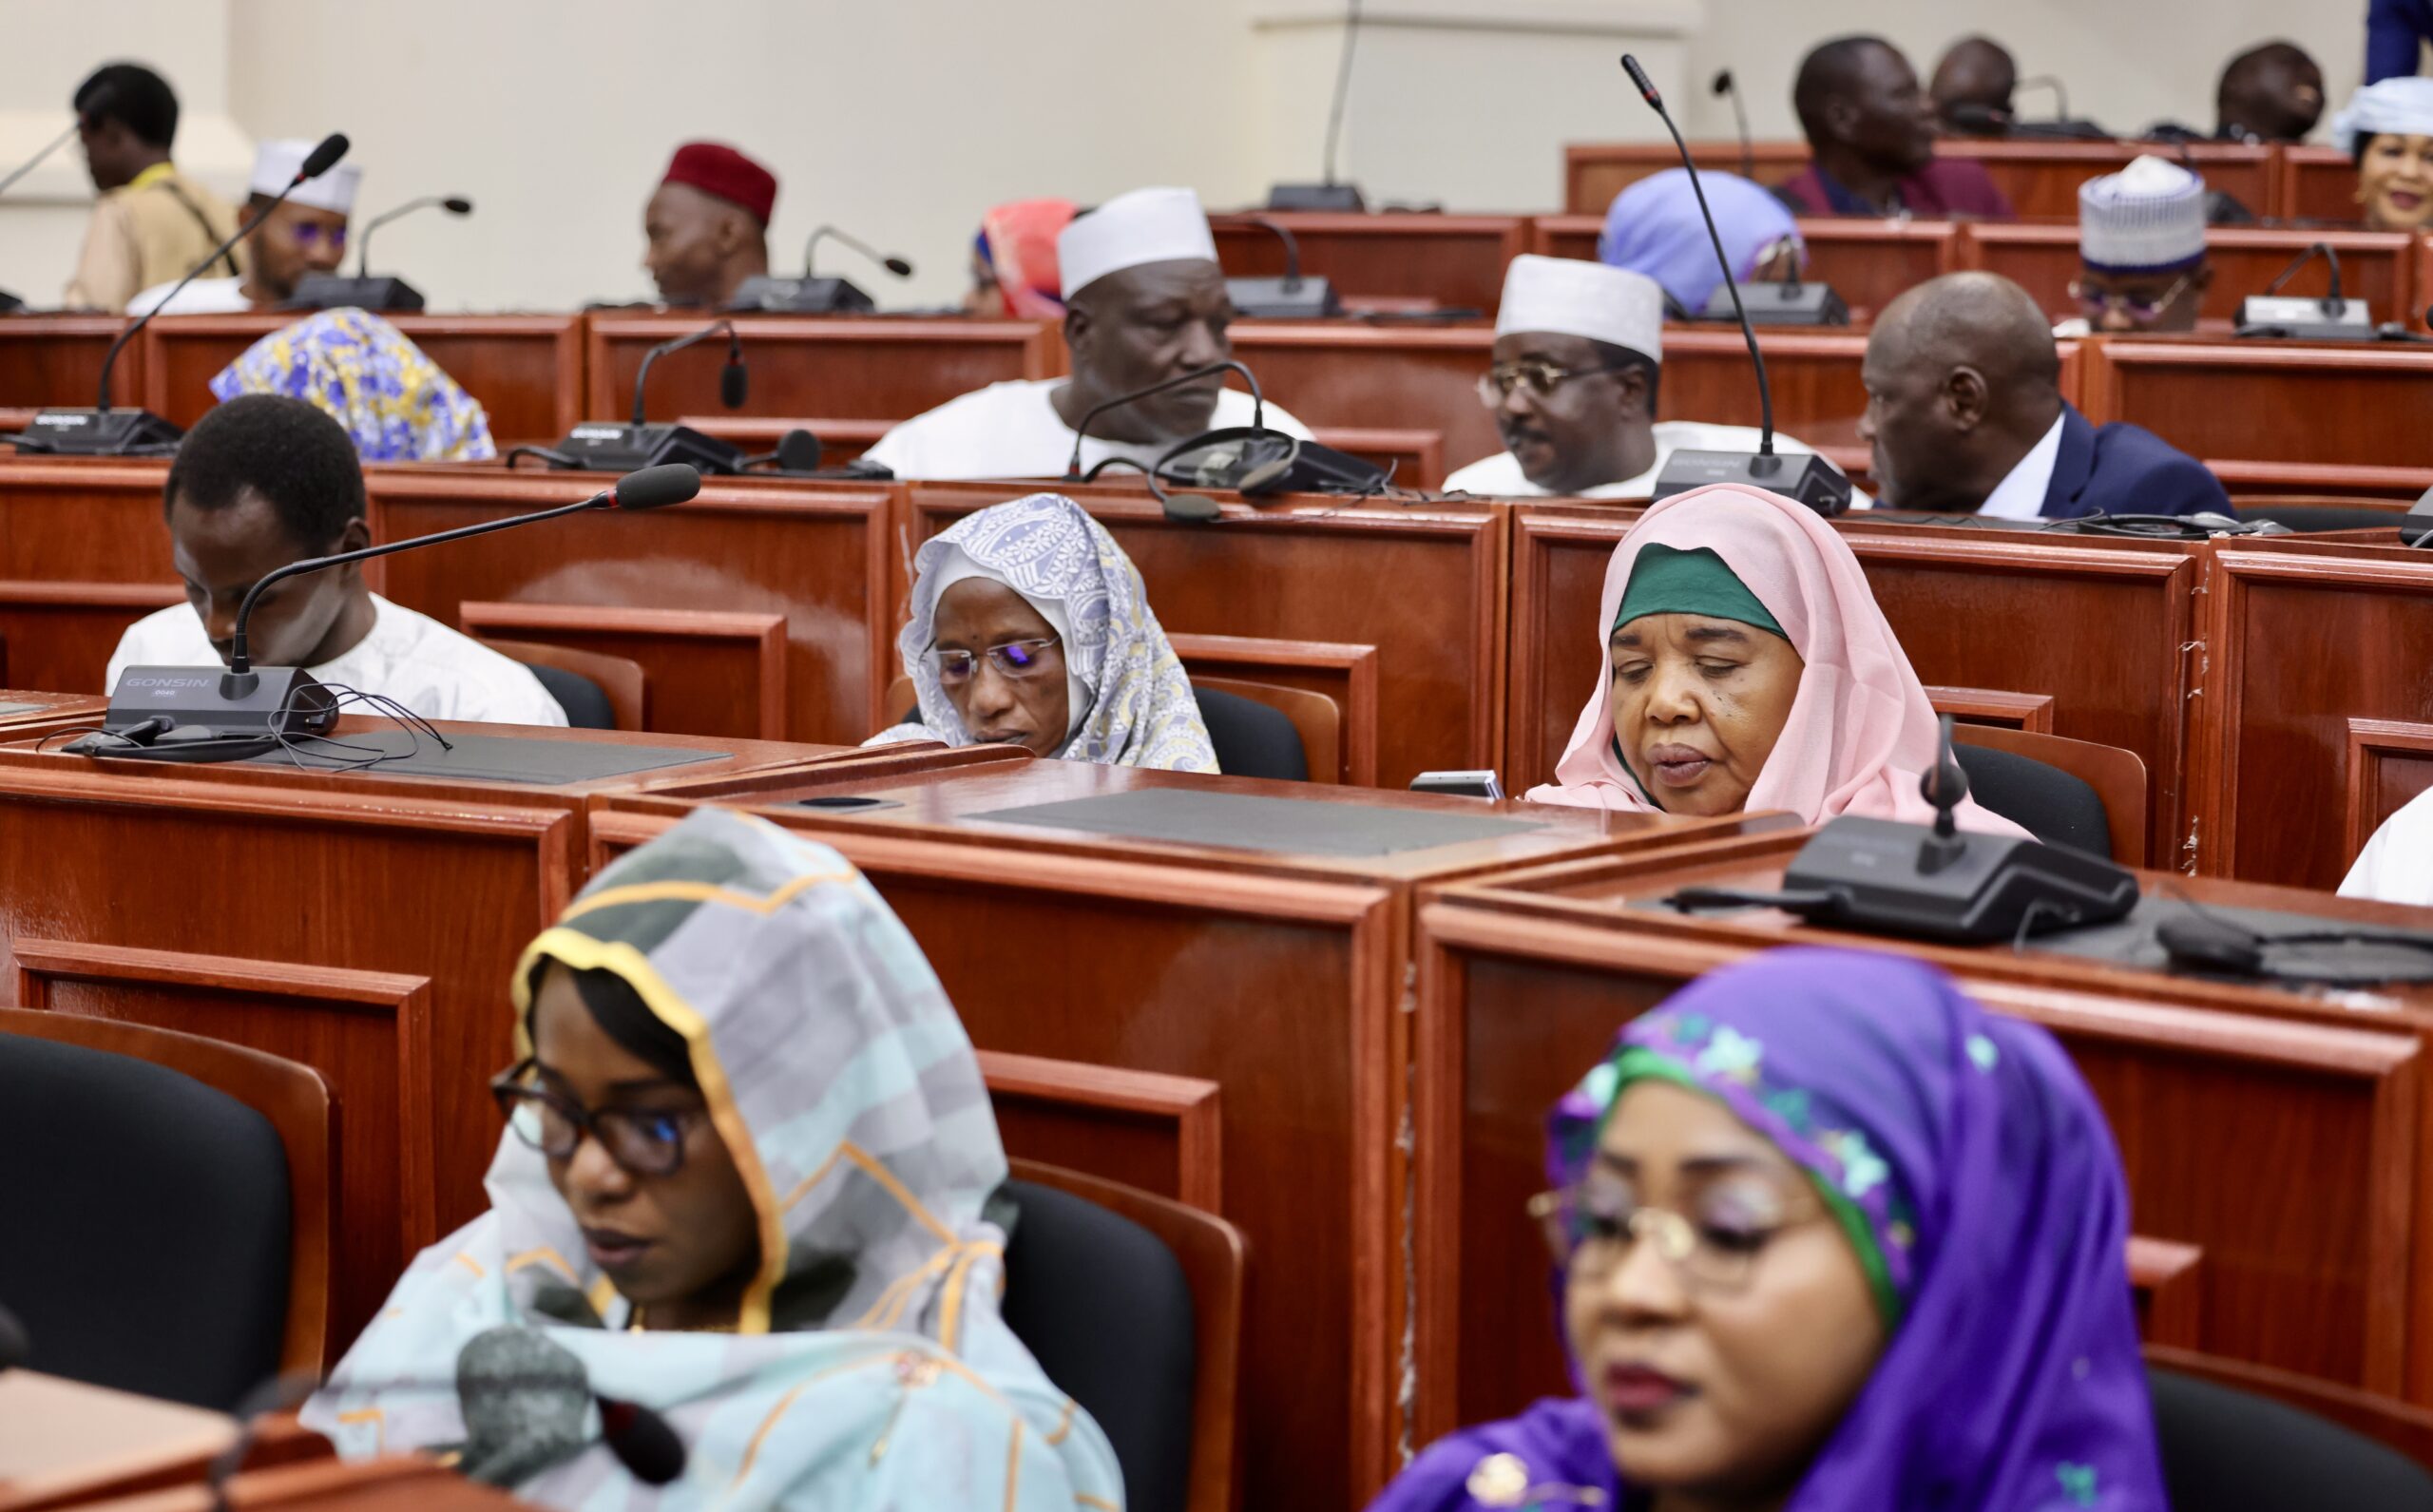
(307, 234)
(2141, 250)
(1145, 301)
(1579, 347)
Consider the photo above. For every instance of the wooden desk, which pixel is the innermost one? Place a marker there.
(1869, 262)
(526, 370)
(848, 367)
(757, 610)
(1452, 262)
(2041, 178)
(2376, 266)
(56, 360)
(2098, 626)
(61, 1438)
(362, 924)
(1279, 978)
(2362, 405)
(1406, 598)
(2318, 713)
(2317, 183)
(84, 554)
(2280, 1134)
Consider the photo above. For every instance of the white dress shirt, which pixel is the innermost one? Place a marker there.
(2020, 496)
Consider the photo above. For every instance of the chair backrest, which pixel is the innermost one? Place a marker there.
(598, 691)
(2238, 1436)
(1251, 740)
(1133, 1305)
(1316, 719)
(209, 1152)
(2057, 799)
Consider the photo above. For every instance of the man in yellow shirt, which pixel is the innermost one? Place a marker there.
(151, 222)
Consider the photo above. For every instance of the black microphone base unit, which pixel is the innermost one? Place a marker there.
(1256, 464)
(208, 714)
(1302, 298)
(1880, 876)
(2304, 320)
(1340, 199)
(325, 291)
(100, 434)
(1781, 304)
(1802, 476)
(608, 446)
(10, 303)
(769, 295)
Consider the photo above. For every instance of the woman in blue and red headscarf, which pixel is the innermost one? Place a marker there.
(1832, 1238)
(1013, 261)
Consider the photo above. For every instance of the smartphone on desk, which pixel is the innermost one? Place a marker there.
(1459, 784)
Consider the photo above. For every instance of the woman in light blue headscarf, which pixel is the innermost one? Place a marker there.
(748, 1183)
(396, 404)
(1655, 228)
(1030, 628)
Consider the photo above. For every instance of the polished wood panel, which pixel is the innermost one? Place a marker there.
(2364, 405)
(1424, 584)
(2390, 762)
(85, 520)
(621, 683)
(1279, 977)
(2302, 641)
(2318, 184)
(1975, 609)
(2168, 1284)
(847, 367)
(60, 636)
(56, 360)
(1524, 980)
(1868, 262)
(2003, 710)
(1335, 375)
(1451, 261)
(291, 1097)
(811, 556)
(1159, 1133)
(715, 673)
(526, 370)
(1214, 1263)
(2041, 178)
(2375, 266)
(1346, 676)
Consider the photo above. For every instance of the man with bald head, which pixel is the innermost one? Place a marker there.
(1975, 71)
(1966, 413)
(706, 227)
(1871, 139)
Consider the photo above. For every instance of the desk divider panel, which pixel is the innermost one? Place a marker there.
(1452, 262)
(848, 367)
(54, 361)
(2278, 402)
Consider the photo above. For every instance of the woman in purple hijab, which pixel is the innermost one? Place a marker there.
(1655, 228)
(1832, 1238)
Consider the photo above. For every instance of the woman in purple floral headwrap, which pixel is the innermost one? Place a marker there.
(1832, 1237)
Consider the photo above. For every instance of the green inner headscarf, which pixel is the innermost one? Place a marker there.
(1665, 579)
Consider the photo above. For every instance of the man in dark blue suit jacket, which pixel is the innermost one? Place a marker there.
(1965, 415)
(2396, 31)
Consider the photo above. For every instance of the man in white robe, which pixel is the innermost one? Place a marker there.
(2397, 864)
(306, 233)
(263, 481)
(1145, 301)
(1578, 348)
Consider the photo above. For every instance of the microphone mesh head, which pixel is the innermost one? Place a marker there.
(525, 1400)
(656, 487)
(735, 384)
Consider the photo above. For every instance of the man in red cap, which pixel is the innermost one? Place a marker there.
(708, 224)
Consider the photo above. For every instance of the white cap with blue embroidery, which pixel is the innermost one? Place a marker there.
(2148, 217)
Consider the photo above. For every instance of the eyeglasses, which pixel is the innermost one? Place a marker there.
(645, 1141)
(2139, 307)
(1015, 659)
(310, 235)
(1539, 376)
(1591, 1229)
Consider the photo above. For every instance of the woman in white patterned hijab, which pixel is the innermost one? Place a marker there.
(1067, 616)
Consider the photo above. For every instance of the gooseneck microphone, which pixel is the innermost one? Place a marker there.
(813, 293)
(36, 161)
(103, 432)
(1291, 298)
(1081, 432)
(1727, 87)
(1806, 477)
(456, 204)
(330, 291)
(611, 446)
(2330, 318)
(892, 262)
(1331, 193)
(735, 379)
(241, 711)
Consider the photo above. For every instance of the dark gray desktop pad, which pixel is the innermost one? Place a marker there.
(1235, 821)
(2130, 941)
(484, 757)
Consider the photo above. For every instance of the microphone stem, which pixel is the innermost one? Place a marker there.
(1749, 332)
(1342, 85)
(30, 163)
(641, 380)
(240, 663)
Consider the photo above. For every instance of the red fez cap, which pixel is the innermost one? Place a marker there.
(717, 169)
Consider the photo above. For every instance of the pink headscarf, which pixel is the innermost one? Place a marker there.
(1860, 733)
(1018, 240)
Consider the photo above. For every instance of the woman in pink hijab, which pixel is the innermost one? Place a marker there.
(1749, 669)
(1013, 261)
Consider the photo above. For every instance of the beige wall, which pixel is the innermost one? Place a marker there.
(901, 118)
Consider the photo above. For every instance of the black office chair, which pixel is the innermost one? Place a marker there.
(1103, 1306)
(2224, 1448)
(148, 1223)
(1251, 740)
(587, 705)
(2041, 799)
(2309, 518)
